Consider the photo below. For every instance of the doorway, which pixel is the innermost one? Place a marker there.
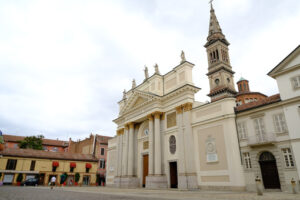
(145, 168)
(269, 171)
(173, 175)
(86, 180)
(70, 180)
(41, 179)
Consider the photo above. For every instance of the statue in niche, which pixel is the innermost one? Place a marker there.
(133, 83)
(146, 72)
(182, 57)
(156, 69)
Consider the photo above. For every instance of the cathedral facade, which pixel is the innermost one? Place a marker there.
(166, 139)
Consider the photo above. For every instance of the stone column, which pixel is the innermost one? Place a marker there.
(130, 150)
(190, 165)
(182, 182)
(151, 138)
(117, 180)
(157, 138)
(125, 152)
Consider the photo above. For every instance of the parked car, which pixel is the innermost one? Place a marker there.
(31, 181)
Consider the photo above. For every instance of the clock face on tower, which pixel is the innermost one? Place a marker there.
(146, 131)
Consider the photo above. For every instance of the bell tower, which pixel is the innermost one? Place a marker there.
(220, 72)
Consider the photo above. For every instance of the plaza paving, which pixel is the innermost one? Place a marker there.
(100, 193)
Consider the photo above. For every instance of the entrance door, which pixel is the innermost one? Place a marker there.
(41, 179)
(145, 168)
(70, 180)
(269, 171)
(173, 175)
(86, 180)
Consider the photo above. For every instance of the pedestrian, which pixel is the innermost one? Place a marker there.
(53, 180)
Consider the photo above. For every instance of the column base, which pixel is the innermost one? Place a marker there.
(156, 182)
(129, 182)
(117, 182)
(187, 182)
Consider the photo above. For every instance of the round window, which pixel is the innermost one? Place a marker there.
(172, 144)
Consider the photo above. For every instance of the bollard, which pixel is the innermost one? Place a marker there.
(293, 182)
(258, 186)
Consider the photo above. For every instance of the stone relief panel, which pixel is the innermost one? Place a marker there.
(211, 150)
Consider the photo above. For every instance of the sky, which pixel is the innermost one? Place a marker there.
(64, 64)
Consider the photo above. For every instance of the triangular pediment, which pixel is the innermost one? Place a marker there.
(138, 99)
(291, 62)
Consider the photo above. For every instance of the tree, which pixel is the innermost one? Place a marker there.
(32, 142)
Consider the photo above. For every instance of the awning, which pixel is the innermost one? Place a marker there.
(19, 172)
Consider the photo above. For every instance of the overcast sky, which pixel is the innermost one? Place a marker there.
(64, 64)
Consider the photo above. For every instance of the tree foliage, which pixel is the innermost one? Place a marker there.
(32, 142)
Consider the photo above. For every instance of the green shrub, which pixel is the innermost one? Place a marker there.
(77, 177)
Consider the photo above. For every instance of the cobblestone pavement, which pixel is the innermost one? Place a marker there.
(102, 193)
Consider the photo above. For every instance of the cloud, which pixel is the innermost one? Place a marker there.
(64, 64)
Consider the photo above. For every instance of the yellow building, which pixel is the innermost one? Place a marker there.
(42, 164)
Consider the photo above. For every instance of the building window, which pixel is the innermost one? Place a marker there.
(32, 165)
(242, 131)
(55, 149)
(102, 164)
(288, 157)
(102, 151)
(260, 129)
(280, 125)
(296, 82)
(11, 164)
(247, 160)
(16, 146)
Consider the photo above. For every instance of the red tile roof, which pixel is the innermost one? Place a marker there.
(15, 138)
(255, 104)
(31, 153)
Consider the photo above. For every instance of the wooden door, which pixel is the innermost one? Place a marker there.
(42, 179)
(173, 175)
(145, 168)
(270, 174)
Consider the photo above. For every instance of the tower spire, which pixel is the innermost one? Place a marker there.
(220, 72)
(214, 31)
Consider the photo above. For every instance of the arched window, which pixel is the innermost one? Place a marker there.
(217, 81)
(217, 54)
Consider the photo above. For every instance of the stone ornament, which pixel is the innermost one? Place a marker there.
(211, 151)
(156, 69)
(146, 72)
(172, 144)
(182, 57)
(124, 94)
(133, 83)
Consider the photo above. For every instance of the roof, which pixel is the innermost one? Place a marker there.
(277, 67)
(242, 79)
(247, 92)
(31, 153)
(255, 104)
(15, 138)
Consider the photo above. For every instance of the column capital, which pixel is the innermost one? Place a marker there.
(131, 125)
(150, 117)
(163, 115)
(120, 132)
(179, 109)
(187, 106)
(157, 114)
